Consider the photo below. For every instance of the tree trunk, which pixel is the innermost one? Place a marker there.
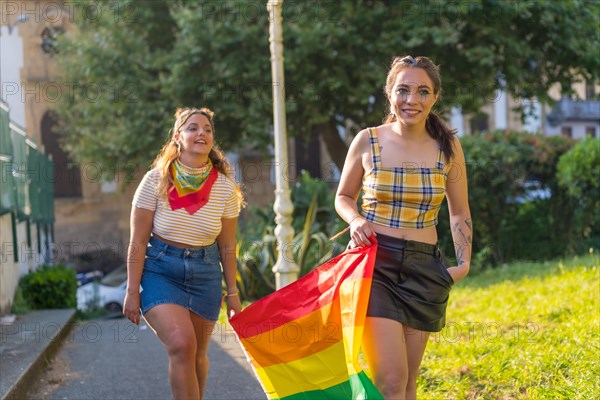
(336, 147)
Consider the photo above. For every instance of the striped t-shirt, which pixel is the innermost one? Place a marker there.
(198, 229)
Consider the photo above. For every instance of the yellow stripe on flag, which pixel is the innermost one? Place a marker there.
(351, 348)
(317, 371)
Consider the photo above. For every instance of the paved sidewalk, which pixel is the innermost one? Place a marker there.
(26, 345)
(109, 358)
(230, 375)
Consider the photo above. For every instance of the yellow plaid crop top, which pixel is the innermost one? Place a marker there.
(402, 197)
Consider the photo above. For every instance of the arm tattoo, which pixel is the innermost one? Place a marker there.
(459, 255)
(465, 239)
(455, 226)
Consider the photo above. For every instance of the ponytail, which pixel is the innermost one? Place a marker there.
(442, 134)
(391, 117)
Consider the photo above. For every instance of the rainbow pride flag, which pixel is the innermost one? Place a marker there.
(303, 340)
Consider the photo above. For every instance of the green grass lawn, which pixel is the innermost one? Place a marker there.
(524, 331)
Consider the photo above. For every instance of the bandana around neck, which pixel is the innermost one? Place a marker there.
(191, 186)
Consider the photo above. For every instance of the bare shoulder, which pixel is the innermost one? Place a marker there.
(457, 148)
(362, 138)
(360, 142)
(384, 127)
(384, 132)
(456, 141)
(362, 135)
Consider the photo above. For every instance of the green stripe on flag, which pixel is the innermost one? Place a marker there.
(359, 386)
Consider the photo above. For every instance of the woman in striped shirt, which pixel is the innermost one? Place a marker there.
(183, 229)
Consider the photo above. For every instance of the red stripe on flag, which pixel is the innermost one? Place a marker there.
(309, 293)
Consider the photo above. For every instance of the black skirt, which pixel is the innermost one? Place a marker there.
(411, 284)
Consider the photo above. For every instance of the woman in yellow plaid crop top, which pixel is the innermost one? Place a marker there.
(405, 168)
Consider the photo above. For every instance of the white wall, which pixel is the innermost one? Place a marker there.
(47, 255)
(9, 270)
(27, 261)
(577, 129)
(533, 120)
(24, 256)
(11, 62)
(457, 120)
(500, 110)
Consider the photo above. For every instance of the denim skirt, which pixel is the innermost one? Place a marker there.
(411, 284)
(190, 278)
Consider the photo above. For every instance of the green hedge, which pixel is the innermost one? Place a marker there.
(579, 169)
(507, 225)
(579, 174)
(50, 287)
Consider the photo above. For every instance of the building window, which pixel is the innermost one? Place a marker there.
(308, 156)
(590, 131)
(66, 174)
(590, 90)
(567, 131)
(49, 36)
(479, 123)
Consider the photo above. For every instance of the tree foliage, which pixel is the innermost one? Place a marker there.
(172, 53)
(116, 113)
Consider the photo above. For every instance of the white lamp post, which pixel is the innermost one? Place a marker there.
(285, 269)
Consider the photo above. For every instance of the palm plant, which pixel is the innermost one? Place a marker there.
(314, 220)
(312, 247)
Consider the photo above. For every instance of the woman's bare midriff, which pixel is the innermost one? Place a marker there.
(177, 244)
(425, 235)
